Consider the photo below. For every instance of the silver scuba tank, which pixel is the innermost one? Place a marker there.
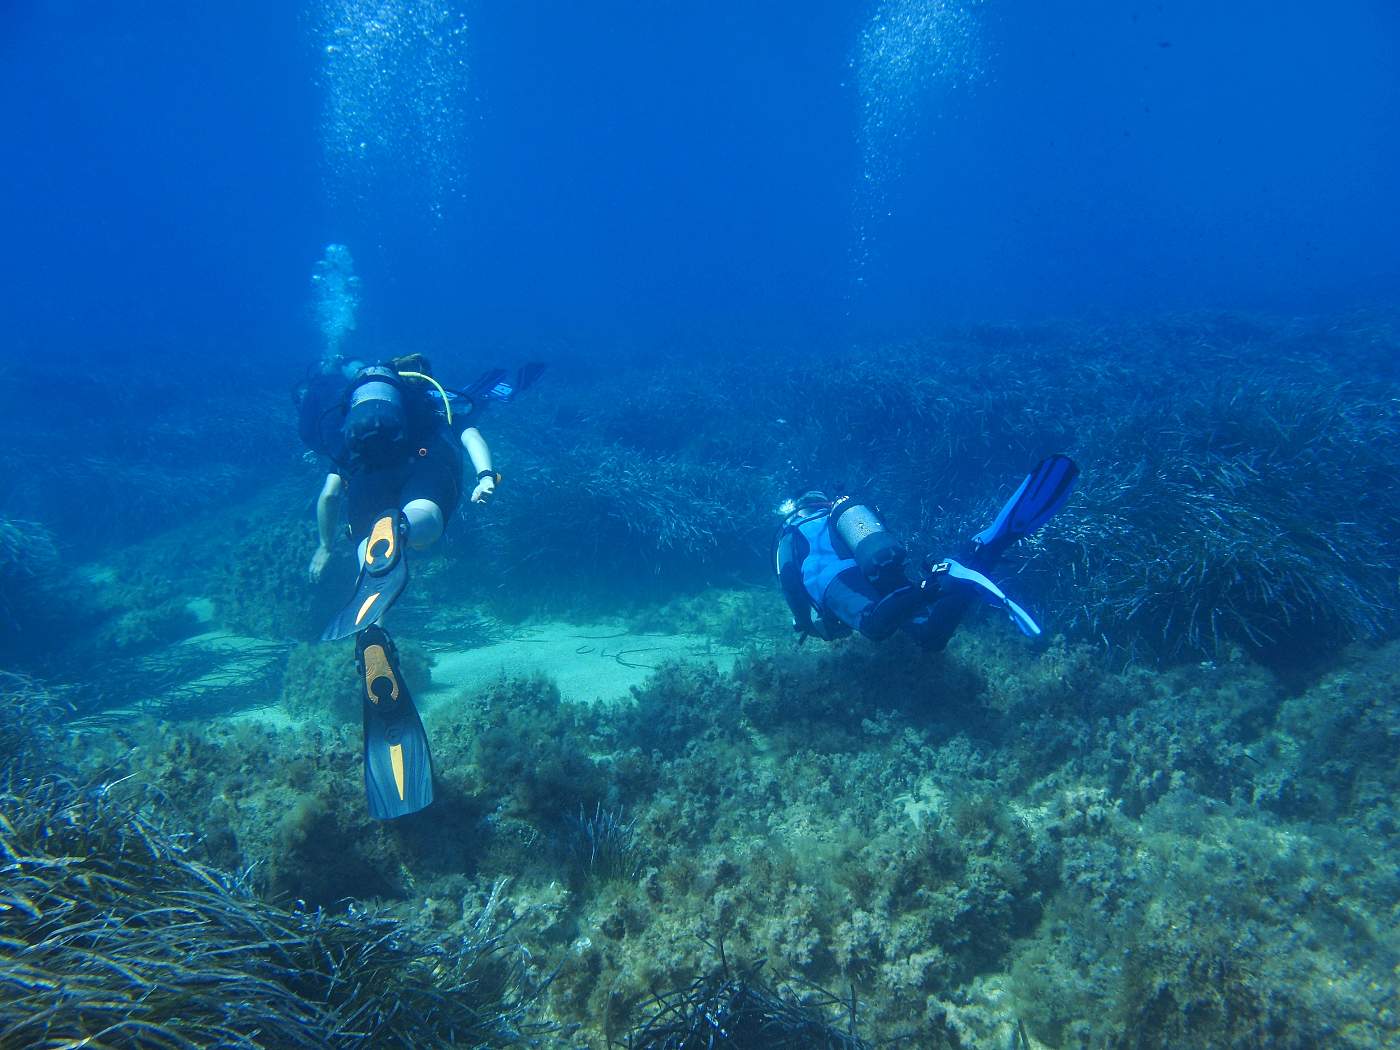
(878, 554)
(854, 521)
(376, 384)
(376, 424)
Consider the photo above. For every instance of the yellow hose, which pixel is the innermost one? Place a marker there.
(445, 402)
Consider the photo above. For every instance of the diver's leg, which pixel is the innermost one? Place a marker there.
(849, 597)
(855, 601)
(383, 569)
(892, 612)
(368, 493)
(424, 519)
(953, 587)
(933, 629)
(425, 523)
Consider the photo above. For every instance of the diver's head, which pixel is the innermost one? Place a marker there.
(411, 363)
(809, 501)
(350, 367)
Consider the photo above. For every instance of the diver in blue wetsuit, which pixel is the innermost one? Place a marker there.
(841, 571)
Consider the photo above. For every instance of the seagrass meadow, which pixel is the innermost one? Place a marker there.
(1172, 824)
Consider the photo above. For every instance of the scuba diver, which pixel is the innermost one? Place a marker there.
(841, 571)
(396, 437)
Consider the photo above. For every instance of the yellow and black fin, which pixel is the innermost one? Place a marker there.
(398, 766)
(382, 578)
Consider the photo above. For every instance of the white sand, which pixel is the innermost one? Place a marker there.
(590, 663)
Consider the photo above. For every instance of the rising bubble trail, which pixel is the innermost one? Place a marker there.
(909, 56)
(395, 76)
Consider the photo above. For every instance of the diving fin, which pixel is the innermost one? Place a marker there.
(398, 766)
(383, 577)
(528, 374)
(495, 384)
(1039, 497)
(992, 594)
(491, 379)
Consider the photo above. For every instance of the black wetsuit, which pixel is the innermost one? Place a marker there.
(429, 465)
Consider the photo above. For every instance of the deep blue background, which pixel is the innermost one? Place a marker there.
(652, 171)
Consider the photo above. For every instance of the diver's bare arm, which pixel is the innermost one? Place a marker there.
(327, 514)
(480, 456)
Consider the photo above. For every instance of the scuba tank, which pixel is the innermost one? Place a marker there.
(376, 422)
(877, 553)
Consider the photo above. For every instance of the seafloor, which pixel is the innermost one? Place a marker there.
(659, 822)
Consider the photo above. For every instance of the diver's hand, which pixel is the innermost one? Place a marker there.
(484, 490)
(319, 560)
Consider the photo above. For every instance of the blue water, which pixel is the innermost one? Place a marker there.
(642, 171)
(894, 249)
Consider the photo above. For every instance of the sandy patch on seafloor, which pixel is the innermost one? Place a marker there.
(590, 663)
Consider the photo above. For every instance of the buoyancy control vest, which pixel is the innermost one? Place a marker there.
(806, 562)
(320, 402)
(823, 562)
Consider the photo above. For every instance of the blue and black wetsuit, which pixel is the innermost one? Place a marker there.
(808, 567)
(830, 596)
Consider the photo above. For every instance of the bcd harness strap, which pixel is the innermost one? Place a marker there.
(790, 551)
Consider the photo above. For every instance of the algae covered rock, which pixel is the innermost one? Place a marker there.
(979, 847)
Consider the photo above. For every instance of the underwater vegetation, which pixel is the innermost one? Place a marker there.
(29, 739)
(116, 934)
(734, 1008)
(603, 847)
(106, 462)
(27, 553)
(973, 845)
(1217, 452)
(1235, 488)
(30, 574)
(1174, 825)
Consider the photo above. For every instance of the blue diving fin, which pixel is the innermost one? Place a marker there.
(398, 765)
(491, 379)
(496, 384)
(1035, 502)
(993, 595)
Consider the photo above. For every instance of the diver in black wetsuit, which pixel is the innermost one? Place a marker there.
(841, 571)
(395, 441)
(396, 437)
